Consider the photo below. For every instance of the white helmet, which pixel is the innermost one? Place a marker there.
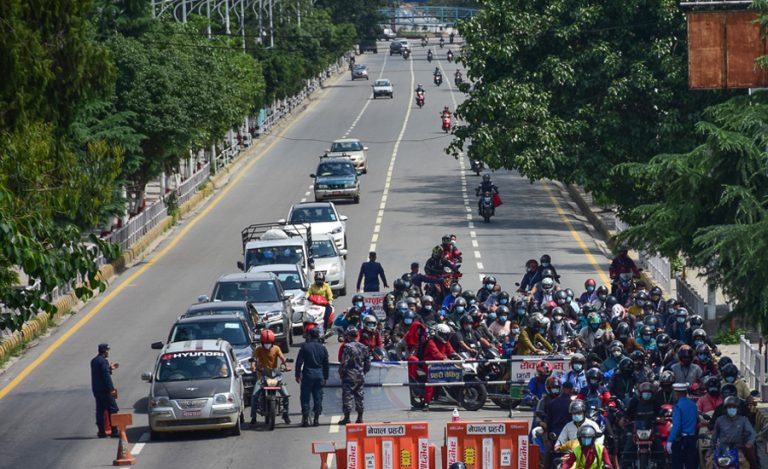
(443, 332)
(547, 284)
(617, 310)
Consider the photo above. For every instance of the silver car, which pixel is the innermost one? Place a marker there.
(196, 385)
(359, 71)
(295, 284)
(351, 148)
(383, 87)
(330, 260)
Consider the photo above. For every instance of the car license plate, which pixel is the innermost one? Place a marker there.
(191, 413)
(336, 193)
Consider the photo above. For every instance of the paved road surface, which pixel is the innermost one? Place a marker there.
(412, 194)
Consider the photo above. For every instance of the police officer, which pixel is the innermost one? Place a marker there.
(681, 444)
(312, 368)
(104, 391)
(354, 364)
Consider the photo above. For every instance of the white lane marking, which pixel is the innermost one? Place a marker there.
(474, 243)
(306, 193)
(136, 450)
(376, 228)
(477, 254)
(378, 220)
(380, 214)
(480, 266)
(372, 247)
(303, 200)
(362, 111)
(469, 216)
(473, 233)
(311, 186)
(334, 428)
(468, 209)
(375, 238)
(471, 226)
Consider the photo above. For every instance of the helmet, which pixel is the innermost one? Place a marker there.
(728, 390)
(655, 293)
(590, 283)
(616, 345)
(626, 365)
(685, 354)
(724, 360)
(641, 298)
(696, 322)
(651, 320)
(610, 301)
(663, 341)
(531, 265)
(682, 313)
(545, 259)
(558, 313)
(593, 318)
(602, 291)
(547, 284)
(595, 376)
(408, 317)
(547, 273)
(503, 298)
(358, 298)
(731, 401)
(548, 306)
(552, 385)
(586, 435)
(351, 333)
(446, 239)
(638, 356)
(401, 307)
(647, 331)
(570, 294)
(703, 352)
(267, 337)
(729, 371)
(667, 377)
(443, 332)
(645, 390)
(561, 297)
(469, 296)
(427, 299)
(460, 305)
(622, 330)
(437, 251)
(577, 406)
(699, 334)
(489, 279)
(486, 176)
(578, 358)
(713, 385)
(544, 324)
(312, 331)
(369, 322)
(502, 311)
(399, 284)
(617, 311)
(319, 276)
(455, 289)
(466, 319)
(409, 300)
(535, 320)
(543, 369)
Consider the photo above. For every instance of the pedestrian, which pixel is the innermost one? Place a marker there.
(681, 443)
(355, 363)
(104, 392)
(312, 368)
(369, 275)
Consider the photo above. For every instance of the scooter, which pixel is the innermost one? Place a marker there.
(486, 207)
(471, 395)
(438, 80)
(442, 43)
(429, 56)
(446, 125)
(420, 99)
(314, 313)
(726, 457)
(406, 54)
(477, 166)
(449, 56)
(457, 80)
(423, 42)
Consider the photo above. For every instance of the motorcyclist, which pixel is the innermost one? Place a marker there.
(371, 337)
(698, 336)
(489, 282)
(438, 73)
(449, 55)
(685, 370)
(727, 390)
(567, 440)
(266, 357)
(616, 351)
(623, 334)
(521, 312)
(589, 292)
(665, 395)
(735, 431)
(420, 89)
(600, 299)
(576, 375)
(500, 323)
(712, 399)
(622, 264)
(436, 264)
(561, 329)
(544, 292)
(391, 298)
(587, 334)
(537, 384)
(321, 288)
(646, 339)
(457, 76)
(427, 312)
(486, 186)
(429, 56)
(438, 347)
(676, 325)
(595, 395)
(622, 383)
(730, 374)
(662, 356)
(466, 339)
(442, 42)
(531, 267)
(656, 299)
(455, 292)
(639, 301)
(544, 407)
(643, 373)
(450, 252)
(545, 263)
(705, 361)
(458, 311)
(530, 336)
(641, 410)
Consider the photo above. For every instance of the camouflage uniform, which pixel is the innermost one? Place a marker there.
(355, 363)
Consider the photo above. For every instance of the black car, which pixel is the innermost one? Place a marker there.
(369, 45)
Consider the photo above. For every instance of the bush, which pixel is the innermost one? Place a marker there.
(729, 337)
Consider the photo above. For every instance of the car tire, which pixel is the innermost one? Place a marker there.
(156, 436)
(392, 96)
(356, 199)
(290, 336)
(235, 431)
(284, 345)
(343, 291)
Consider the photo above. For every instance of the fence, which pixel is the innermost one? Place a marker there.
(690, 297)
(753, 364)
(187, 189)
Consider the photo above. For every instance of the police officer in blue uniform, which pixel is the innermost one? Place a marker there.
(681, 444)
(104, 390)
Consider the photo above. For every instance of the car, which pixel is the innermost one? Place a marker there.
(195, 385)
(294, 283)
(351, 148)
(330, 260)
(397, 46)
(387, 34)
(336, 178)
(276, 243)
(369, 45)
(265, 292)
(383, 87)
(242, 309)
(322, 218)
(359, 71)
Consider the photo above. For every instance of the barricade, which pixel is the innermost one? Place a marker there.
(387, 446)
(124, 456)
(490, 445)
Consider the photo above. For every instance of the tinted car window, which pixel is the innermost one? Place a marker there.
(231, 331)
(336, 169)
(250, 315)
(266, 256)
(290, 280)
(258, 291)
(183, 366)
(346, 146)
(312, 215)
(382, 83)
(323, 248)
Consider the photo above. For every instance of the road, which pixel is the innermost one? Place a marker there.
(413, 193)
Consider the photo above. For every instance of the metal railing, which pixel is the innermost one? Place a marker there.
(693, 301)
(753, 364)
(187, 189)
(139, 225)
(659, 268)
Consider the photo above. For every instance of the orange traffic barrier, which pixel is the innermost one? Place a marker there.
(490, 445)
(124, 456)
(387, 445)
(323, 448)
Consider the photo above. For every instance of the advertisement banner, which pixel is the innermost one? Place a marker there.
(444, 373)
(375, 301)
(523, 368)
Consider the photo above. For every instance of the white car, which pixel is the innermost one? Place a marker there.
(383, 87)
(322, 218)
(295, 284)
(330, 260)
(350, 148)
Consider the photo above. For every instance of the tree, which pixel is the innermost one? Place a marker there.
(567, 89)
(363, 14)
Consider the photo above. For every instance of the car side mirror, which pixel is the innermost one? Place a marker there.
(327, 150)
(312, 176)
(157, 346)
(359, 173)
(281, 221)
(286, 297)
(343, 252)
(146, 376)
(240, 372)
(311, 263)
(343, 217)
(240, 265)
(203, 299)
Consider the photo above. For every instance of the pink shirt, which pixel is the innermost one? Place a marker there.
(707, 403)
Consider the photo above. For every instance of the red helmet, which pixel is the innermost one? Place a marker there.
(549, 306)
(590, 282)
(543, 369)
(267, 337)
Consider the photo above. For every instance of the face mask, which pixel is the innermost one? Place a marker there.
(267, 346)
(428, 307)
(521, 312)
(647, 396)
(586, 441)
(489, 286)
(590, 289)
(460, 309)
(616, 353)
(408, 321)
(558, 318)
(402, 311)
(554, 391)
(731, 411)
(358, 304)
(681, 320)
(545, 264)
(503, 301)
(730, 379)
(503, 319)
(472, 301)
(594, 382)
(578, 418)
(577, 367)
(542, 330)
(602, 297)
(370, 327)
(491, 315)
(515, 331)
(699, 342)
(646, 338)
(703, 358)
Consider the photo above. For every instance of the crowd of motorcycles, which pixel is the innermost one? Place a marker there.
(621, 345)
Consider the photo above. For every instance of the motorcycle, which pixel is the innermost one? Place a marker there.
(429, 56)
(477, 166)
(314, 313)
(623, 286)
(442, 43)
(406, 54)
(486, 207)
(705, 437)
(471, 395)
(270, 400)
(420, 99)
(644, 456)
(458, 80)
(449, 56)
(446, 126)
(438, 80)
(423, 42)
(726, 457)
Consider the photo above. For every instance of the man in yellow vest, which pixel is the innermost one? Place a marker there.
(589, 454)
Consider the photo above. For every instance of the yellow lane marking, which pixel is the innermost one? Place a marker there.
(128, 282)
(576, 236)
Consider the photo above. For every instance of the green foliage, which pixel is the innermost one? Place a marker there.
(567, 89)
(728, 337)
(363, 14)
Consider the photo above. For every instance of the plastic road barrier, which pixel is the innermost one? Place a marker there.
(387, 445)
(490, 445)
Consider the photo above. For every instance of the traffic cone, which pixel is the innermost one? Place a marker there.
(124, 456)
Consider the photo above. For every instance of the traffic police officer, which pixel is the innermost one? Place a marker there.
(104, 391)
(681, 444)
(312, 369)
(354, 364)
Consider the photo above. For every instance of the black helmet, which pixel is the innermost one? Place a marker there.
(729, 371)
(558, 311)
(595, 376)
(622, 330)
(644, 389)
(586, 435)
(351, 333)
(446, 239)
(651, 320)
(626, 366)
(553, 385)
(637, 356)
(641, 298)
(455, 289)
(724, 360)
(667, 377)
(570, 293)
(577, 406)
(459, 303)
(547, 273)
(358, 298)
(578, 358)
(615, 345)
(486, 177)
(561, 297)
(731, 401)
(469, 296)
(409, 300)
(713, 385)
(466, 319)
(696, 322)
(503, 296)
(545, 259)
(408, 315)
(502, 310)
(728, 390)
(319, 276)
(399, 284)
(489, 279)
(647, 331)
(685, 354)
(602, 290)
(663, 341)
(427, 299)
(610, 301)
(655, 293)
(402, 306)
(699, 334)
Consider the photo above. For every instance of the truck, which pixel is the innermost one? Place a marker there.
(277, 243)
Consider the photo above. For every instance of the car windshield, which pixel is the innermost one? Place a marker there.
(274, 255)
(192, 365)
(382, 83)
(358, 67)
(346, 146)
(323, 248)
(290, 280)
(313, 215)
(247, 312)
(336, 169)
(231, 331)
(256, 291)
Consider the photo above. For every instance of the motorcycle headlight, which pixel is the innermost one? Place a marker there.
(336, 230)
(223, 398)
(272, 382)
(644, 434)
(160, 401)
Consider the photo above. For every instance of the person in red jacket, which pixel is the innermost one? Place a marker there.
(371, 337)
(437, 348)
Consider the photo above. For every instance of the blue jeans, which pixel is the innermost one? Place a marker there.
(311, 388)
